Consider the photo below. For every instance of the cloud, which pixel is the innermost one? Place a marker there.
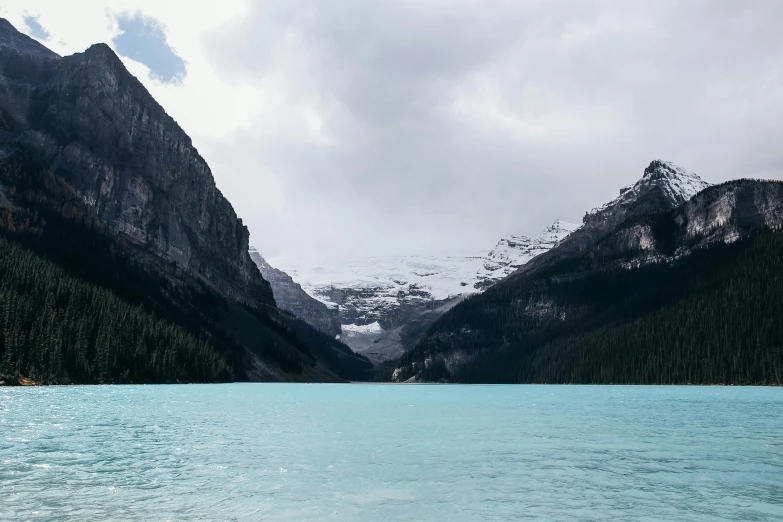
(388, 127)
(35, 29)
(143, 39)
(427, 124)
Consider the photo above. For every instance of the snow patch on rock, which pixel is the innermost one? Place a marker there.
(369, 286)
(372, 328)
(678, 184)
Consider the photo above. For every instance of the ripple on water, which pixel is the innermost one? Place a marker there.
(356, 452)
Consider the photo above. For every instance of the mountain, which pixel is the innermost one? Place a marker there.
(662, 187)
(97, 178)
(377, 298)
(290, 297)
(658, 286)
(513, 252)
(387, 303)
(22, 45)
(90, 119)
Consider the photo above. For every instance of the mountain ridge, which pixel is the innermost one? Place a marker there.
(662, 187)
(20, 43)
(546, 322)
(395, 293)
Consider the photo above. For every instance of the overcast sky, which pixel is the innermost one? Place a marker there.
(366, 127)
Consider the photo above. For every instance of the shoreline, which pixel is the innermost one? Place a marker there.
(24, 382)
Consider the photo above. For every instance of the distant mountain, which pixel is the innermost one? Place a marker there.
(658, 286)
(387, 303)
(513, 252)
(97, 178)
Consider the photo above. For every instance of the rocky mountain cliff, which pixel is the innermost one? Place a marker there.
(662, 187)
(576, 313)
(126, 158)
(82, 141)
(724, 214)
(290, 297)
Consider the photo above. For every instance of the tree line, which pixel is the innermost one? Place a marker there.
(713, 317)
(55, 328)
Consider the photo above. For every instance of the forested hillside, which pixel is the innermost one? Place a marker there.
(712, 317)
(58, 329)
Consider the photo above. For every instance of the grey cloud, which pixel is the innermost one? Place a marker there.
(451, 123)
(143, 39)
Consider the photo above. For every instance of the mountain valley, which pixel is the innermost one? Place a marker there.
(122, 262)
(386, 304)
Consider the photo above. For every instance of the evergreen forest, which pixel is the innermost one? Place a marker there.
(714, 317)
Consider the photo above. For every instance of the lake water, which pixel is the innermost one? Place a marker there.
(385, 452)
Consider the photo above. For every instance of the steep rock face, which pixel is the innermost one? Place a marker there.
(724, 213)
(22, 62)
(100, 129)
(96, 177)
(290, 297)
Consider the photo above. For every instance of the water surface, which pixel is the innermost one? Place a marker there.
(382, 452)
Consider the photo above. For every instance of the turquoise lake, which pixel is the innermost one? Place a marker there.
(390, 452)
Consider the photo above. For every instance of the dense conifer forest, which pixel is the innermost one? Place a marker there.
(58, 329)
(711, 318)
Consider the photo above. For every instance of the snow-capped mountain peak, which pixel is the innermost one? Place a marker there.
(421, 277)
(682, 183)
(512, 252)
(674, 184)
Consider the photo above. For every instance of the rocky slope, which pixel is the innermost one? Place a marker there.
(290, 297)
(514, 252)
(662, 187)
(724, 214)
(104, 151)
(386, 304)
(640, 260)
